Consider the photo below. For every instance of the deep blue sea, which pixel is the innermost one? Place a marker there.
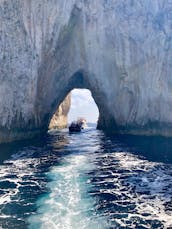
(87, 180)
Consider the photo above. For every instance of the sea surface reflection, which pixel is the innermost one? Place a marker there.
(86, 180)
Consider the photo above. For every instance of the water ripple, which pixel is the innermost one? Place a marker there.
(87, 180)
(132, 191)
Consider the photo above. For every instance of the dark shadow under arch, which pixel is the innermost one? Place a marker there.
(80, 80)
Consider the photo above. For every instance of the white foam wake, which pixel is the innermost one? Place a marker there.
(68, 205)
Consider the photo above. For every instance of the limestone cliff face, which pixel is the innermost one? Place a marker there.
(120, 50)
(59, 119)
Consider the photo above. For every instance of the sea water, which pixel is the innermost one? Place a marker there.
(86, 180)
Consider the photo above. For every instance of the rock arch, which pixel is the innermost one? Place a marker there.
(78, 80)
(46, 45)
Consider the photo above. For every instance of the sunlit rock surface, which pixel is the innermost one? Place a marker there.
(120, 50)
(59, 119)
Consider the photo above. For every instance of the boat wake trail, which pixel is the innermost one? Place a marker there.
(85, 181)
(68, 204)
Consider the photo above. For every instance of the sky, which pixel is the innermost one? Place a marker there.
(83, 105)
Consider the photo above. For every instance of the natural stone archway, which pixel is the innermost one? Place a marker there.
(120, 50)
(78, 80)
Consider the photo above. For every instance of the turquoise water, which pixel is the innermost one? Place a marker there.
(87, 180)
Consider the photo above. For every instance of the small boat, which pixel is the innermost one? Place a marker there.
(77, 126)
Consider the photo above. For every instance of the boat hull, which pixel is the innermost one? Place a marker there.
(74, 129)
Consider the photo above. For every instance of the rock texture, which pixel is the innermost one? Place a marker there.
(59, 119)
(120, 50)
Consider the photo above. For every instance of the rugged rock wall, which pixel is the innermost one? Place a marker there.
(121, 50)
(59, 119)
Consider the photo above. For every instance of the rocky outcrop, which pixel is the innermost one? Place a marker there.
(120, 50)
(59, 119)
